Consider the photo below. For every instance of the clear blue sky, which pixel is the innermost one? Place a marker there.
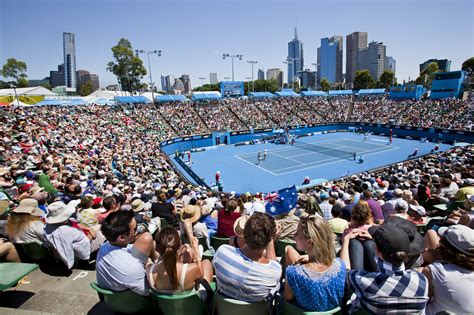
(193, 34)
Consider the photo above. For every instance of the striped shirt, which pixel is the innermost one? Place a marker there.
(326, 208)
(243, 279)
(393, 290)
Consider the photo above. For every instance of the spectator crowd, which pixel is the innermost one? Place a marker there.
(91, 181)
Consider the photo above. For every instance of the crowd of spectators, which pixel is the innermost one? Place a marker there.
(92, 180)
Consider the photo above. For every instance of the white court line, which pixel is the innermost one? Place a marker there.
(379, 140)
(255, 165)
(313, 164)
(290, 147)
(369, 142)
(287, 158)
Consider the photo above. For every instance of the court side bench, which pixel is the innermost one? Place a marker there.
(11, 273)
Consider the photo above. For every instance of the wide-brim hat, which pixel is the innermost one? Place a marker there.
(59, 212)
(239, 225)
(29, 206)
(191, 212)
(138, 205)
(460, 237)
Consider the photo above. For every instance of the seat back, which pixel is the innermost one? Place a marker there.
(34, 251)
(186, 303)
(227, 306)
(164, 223)
(124, 302)
(216, 242)
(290, 309)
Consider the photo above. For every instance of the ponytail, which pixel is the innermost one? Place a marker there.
(169, 260)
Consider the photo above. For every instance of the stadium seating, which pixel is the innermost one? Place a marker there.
(186, 303)
(123, 302)
(227, 306)
(11, 273)
(290, 309)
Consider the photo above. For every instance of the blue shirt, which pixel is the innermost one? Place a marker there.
(317, 291)
(241, 278)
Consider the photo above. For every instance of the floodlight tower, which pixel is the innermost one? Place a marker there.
(232, 57)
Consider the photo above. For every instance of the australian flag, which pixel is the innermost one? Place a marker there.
(281, 201)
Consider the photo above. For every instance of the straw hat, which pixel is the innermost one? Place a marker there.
(138, 205)
(191, 212)
(29, 206)
(239, 225)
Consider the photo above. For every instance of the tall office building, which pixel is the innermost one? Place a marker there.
(260, 74)
(444, 65)
(69, 51)
(354, 43)
(83, 76)
(167, 82)
(373, 59)
(213, 78)
(307, 78)
(295, 58)
(186, 82)
(330, 59)
(276, 74)
(390, 64)
(56, 77)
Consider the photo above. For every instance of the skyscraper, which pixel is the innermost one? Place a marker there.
(213, 78)
(260, 74)
(167, 82)
(69, 51)
(186, 82)
(330, 59)
(295, 57)
(56, 78)
(354, 43)
(307, 78)
(373, 59)
(276, 74)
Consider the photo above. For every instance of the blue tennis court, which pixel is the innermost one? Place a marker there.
(287, 165)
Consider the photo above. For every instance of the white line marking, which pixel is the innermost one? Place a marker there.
(255, 165)
(287, 158)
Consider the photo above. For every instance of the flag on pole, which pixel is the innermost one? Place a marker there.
(281, 201)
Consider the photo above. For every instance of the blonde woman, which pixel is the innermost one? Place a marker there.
(315, 282)
(24, 224)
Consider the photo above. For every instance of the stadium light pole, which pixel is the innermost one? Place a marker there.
(202, 80)
(291, 61)
(232, 57)
(315, 64)
(148, 53)
(252, 62)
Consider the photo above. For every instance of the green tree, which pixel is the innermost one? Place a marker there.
(266, 85)
(363, 80)
(427, 75)
(22, 82)
(207, 88)
(325, 85)
(86, 88)
(16, 70)
(127, 67)
(468, 65)
(296, 86)
(387, 78)
(46, 85)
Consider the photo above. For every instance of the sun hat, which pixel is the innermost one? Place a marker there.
(460, 237)
(191, 212)
(420, 209)
(36, 189)
(138, 205)
(239, 225)
(29, 206)
(59, 212)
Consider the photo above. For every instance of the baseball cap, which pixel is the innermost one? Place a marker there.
(389, 238)
(460, 237)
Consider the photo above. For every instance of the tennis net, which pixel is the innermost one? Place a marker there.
(347, 155)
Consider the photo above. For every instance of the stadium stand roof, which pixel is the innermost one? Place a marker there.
(340, 92)
(171, 98)
(131, 99)
(261, 94)
(313, 93)
(287, 93)
(62, 102)
(370, 91)
(202, 96)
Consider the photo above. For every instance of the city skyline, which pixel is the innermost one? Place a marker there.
(229, 31)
